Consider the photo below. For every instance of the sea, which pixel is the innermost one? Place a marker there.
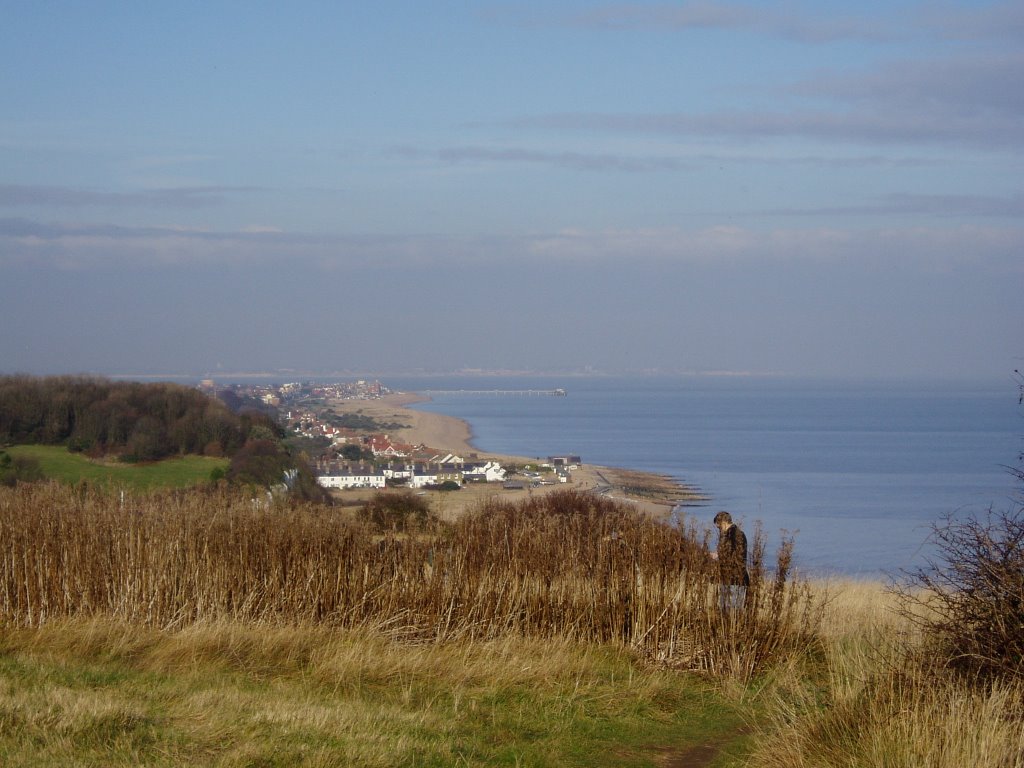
(857, 473)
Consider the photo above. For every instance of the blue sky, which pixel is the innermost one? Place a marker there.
(812, 189)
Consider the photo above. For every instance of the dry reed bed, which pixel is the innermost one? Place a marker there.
(569, 565)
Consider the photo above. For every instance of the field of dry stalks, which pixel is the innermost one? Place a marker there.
(568, 565)
(830, 675)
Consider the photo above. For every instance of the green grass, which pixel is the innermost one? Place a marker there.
(91, 693)
(58, 463)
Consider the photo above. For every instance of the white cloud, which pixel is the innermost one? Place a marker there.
(24, 195)
(101, 246)
(902, 204)
(994, 248)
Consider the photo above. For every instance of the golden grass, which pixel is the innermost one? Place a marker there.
(327, 639)
(102, 692)
(874, 700)
(570, 566)
(852, 605)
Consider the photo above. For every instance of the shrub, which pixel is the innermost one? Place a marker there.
(20, 469)
(969, 598)
(260, 463)
(447, 485)
(353, 452)
(396, 512)
(78, 445)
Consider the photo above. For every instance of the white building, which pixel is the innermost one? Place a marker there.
(490, 472)
(353, 477)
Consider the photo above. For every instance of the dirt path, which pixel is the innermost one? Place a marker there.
(695, 757)
(700, 755)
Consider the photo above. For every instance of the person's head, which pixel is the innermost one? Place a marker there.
(723, 520)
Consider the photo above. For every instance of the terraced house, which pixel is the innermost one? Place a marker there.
(416, 475)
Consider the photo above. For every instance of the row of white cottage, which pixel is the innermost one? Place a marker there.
(415, 475)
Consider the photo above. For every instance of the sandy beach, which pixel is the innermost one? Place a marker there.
(653, 494)
(423, 428)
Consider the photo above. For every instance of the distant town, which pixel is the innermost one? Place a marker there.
(352, 451)
(276, 395)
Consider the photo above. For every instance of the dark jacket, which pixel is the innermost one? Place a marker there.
(732, 557)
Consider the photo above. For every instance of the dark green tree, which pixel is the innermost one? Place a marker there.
(147, 441)
(353, 452)
(260, 462)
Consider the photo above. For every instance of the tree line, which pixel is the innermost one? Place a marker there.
(132, 420)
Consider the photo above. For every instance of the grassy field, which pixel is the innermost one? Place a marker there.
(58, 463)
(196, 627)
(99, 693)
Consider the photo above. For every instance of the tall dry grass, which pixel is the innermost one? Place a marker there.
(874, 700)
(894, 718)
(570, 565)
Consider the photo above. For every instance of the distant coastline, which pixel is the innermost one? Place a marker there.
(654, 494)
(287, 374)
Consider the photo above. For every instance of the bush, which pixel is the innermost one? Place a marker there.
(969, 598)
(353, 452)
(396, 512)
(972, 596)
(447, 485)
(78, 445)
(20, 469)
(259, 462)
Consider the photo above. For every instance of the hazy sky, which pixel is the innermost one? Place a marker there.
(807, 188)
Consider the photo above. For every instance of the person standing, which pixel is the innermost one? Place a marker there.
(731, 555)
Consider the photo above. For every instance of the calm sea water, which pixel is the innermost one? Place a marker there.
(857, 473)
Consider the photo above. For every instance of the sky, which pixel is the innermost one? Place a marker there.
(818, 189)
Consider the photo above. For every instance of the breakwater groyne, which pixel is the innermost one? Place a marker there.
(507, 392)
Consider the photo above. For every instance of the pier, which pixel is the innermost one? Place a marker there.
(507, 392)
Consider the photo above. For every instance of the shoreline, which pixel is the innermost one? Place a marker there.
(654, 494)
(436, 430)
